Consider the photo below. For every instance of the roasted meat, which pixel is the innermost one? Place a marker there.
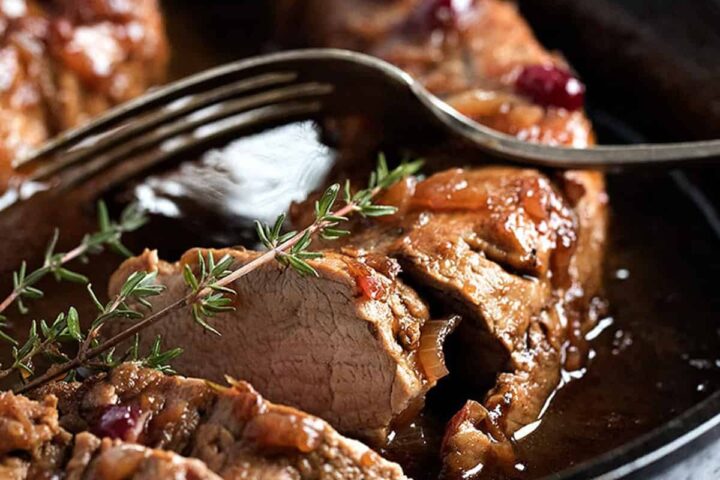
(31, 440)
(517, 255)
(34, 446)
(232, 430)
(64, 61)
(341, 346)
(107, 459)
(479, 55)
(516, 252)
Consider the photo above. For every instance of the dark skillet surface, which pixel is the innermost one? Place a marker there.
(658, 358)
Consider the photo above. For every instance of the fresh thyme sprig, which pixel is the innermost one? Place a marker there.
(51, 338)
(138, 287)
(291, 248)
(217, 301)
(109, 235)
(156, 358)
(208, 291)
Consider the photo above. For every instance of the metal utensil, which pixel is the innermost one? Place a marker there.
(303, 83)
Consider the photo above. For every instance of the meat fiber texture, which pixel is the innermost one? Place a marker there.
(321, 344)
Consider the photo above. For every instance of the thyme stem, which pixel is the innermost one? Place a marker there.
(283, 247)
(42, 271)
(109, 234)
(80, 359)
(186, 301)
(216, 279)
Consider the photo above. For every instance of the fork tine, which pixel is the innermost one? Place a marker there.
(164, 95)
(200, 138)
(188, 122)
(175, 108)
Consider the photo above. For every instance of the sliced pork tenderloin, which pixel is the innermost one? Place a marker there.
(523, 279)
(231, 429)
(341, 346)
(497, 245)
(518, 256)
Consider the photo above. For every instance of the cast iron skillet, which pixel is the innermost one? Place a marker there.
(665, 229)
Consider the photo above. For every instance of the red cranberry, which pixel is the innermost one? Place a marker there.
(439, 14)
(549, 85)
(116, 421)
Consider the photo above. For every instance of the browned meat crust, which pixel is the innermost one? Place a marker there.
(473, 61)
(324, 344)
(109, 460)
(517, 253)
(31, 440)
(34, 446)
(232, 430)
(518, 256)
(64, 61)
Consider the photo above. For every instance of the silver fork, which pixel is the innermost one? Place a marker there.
(280, 87)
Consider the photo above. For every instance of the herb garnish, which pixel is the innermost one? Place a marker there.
(209, 291)
(109, 235)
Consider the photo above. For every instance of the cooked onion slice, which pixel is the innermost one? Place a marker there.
(430, 353)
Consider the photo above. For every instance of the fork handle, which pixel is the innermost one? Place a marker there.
(608, 158)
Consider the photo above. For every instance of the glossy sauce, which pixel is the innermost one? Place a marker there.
(514, 210)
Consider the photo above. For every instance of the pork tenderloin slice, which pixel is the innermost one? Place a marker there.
(469, 448)
(516, 326)
(480, 436)
(168, 408)
(233, 430)
(585, 191)
(492, 243)
(244, 430)
(515, 217)
(497, 244)
(341, 346)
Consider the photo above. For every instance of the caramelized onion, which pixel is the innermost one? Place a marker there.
(430, 353)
